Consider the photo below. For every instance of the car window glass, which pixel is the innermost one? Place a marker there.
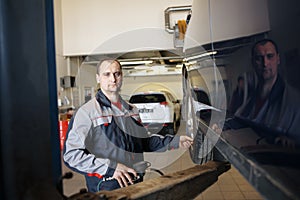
(151, 98)
(201, 96)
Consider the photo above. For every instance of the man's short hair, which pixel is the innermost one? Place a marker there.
(111, 60)
(263, 42)
(240, 78)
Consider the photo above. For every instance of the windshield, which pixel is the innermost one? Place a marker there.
(147, 98)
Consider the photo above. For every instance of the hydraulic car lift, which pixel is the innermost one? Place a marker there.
(185, 184)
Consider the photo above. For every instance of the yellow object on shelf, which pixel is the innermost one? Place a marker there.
(182, 28)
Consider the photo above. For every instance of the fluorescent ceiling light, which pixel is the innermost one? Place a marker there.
(200, 55)
(138, 62)
(175, 60)
(142, 67)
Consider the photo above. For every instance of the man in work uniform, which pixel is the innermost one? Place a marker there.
(105, 137)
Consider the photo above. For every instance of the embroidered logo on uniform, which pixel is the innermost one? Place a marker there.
(103, 120)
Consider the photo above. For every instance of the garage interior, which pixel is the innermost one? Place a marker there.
(36, 55)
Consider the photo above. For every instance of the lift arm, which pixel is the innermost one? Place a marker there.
(185, 184)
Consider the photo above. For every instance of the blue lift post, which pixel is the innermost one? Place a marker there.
(29, 143)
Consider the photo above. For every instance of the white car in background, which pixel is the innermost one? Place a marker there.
(159, 111)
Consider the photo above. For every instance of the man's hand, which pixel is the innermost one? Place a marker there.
(122, 175)
(285, 141)
(216, 128)
(185, 142)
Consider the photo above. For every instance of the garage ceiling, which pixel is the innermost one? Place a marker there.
(173, 58)
(157, 56)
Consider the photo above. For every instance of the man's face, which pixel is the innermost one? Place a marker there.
(266, 61)
(110, 77)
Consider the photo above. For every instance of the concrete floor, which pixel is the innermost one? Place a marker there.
(230, 186)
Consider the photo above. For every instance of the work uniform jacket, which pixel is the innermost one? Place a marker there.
(100, 135)
(279, 115)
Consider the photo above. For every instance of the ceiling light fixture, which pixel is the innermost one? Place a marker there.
(200, 55)
(138, 62)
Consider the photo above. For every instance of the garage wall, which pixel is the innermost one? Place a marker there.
(88, 24)
(172, 83)
(61, 62)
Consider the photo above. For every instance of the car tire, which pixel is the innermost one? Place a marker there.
(201, 151)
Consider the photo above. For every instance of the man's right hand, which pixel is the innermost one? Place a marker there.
(122, 175)
(216, 128)
(285, 141)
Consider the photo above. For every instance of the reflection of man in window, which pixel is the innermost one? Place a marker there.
(274, 108)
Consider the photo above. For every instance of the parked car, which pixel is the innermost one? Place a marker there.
(159, 111)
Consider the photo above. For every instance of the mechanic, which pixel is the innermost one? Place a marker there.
(274, 108)
(105, 137)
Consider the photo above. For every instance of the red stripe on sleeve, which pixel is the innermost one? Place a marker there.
(95, 174)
